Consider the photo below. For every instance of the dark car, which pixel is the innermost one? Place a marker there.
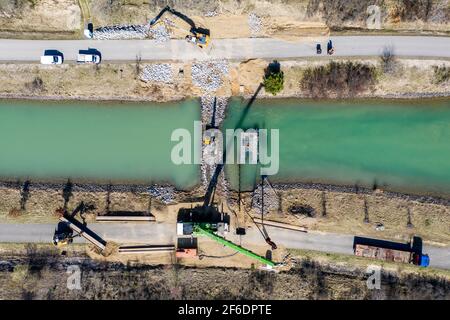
(318, 48)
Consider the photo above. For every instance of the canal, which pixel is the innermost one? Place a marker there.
(95, 141)
(401, 145)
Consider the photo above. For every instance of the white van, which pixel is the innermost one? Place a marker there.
(89, 56)
(51, 59)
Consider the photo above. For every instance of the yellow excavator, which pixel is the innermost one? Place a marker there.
(198, 36)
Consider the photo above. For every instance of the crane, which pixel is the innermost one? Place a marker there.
(206, 230)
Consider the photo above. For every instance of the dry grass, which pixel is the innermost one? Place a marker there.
(409, 77)
(292, 20)
(313, 276)
(45, 18)
(350, 261)
(42, 204)
(106, 81)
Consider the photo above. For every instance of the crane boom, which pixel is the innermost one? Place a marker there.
(199, 230)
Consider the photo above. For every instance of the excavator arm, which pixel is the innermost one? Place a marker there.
(194, 30)
(200, 36)
(175, 13)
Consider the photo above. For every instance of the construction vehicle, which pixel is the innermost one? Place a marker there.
(64, 233)
(198, 36)
(391, 251)
(212, 231)
(208, 231)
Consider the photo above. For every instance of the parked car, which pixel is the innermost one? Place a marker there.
(52, 57)
(89, 56)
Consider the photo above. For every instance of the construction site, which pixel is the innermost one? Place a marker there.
(92, 173)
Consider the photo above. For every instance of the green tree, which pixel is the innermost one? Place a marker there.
(273, 82)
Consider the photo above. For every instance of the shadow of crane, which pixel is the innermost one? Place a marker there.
(24, 195)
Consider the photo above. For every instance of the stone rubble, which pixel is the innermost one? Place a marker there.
(124, 32)
(208, 75)
(271, 200)
(161, 72)
(165, 194)
(255, 24)
(160, 33)
(207, 110)
(211, 14)
(121, 32)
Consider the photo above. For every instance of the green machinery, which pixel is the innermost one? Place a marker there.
(204, 229)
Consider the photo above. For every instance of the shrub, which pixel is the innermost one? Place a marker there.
(14, 212)
(274, 82)
(338, 78)
(441, 74)
(37, 85)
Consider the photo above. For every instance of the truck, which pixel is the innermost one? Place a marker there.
(89, 56)
(391, 251)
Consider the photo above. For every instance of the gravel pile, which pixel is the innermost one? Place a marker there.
(271, 201)
(209, 106)
(211, 14)
(157, 72)
(165, 194)
(160, 33)
(255, 24)
(121, 32)
(208, 75)
(213, 106)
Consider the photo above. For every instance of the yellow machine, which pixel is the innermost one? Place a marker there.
(63, 235)
(198, 36)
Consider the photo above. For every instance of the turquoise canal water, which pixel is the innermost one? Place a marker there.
(106, 141)
(400, 145)
(403, 146)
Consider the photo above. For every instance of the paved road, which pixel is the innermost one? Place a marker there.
(154, 233)
(234, 49)
(164, 233)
